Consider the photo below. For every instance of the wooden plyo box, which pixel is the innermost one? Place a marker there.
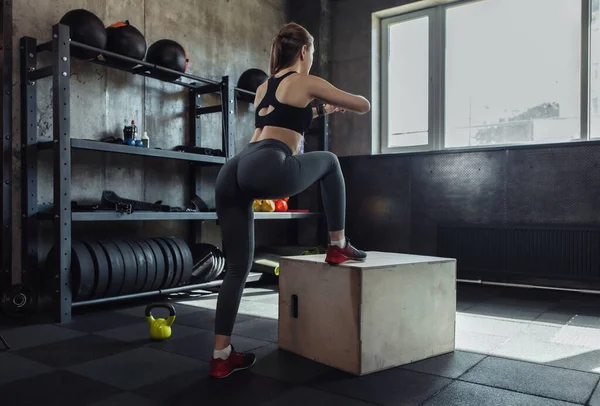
(391, 310)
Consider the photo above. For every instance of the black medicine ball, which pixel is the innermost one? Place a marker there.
(124, 39)
(250, 80)
(169, 54)
(87, 28)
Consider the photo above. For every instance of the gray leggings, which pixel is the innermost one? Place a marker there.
(266, 170)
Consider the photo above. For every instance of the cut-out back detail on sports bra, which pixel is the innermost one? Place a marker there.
(281, 115)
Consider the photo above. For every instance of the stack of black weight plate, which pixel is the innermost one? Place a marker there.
(209, 263)
(108, 268)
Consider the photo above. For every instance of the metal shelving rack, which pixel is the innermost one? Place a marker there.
(62, 146)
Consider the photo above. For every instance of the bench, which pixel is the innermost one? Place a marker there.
(361, 318)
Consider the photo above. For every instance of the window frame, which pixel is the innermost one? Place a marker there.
(437, 73)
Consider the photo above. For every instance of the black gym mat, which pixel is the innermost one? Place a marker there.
(150, 265)
(101, 270)
(177, 262)
(169, 263)
(82, 271)
(129, 267)
(159, 259)
(115, 268)
(188, 261)
(142, 269)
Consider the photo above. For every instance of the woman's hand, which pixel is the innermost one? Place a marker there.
(329, 109)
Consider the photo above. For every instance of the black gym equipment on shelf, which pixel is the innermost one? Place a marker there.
(164, 268)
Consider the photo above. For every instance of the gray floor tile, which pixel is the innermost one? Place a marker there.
(534, 350)
(205, 319)
(539, 380)
(196, 388)
(489, 325)
(98, 321)
(139, 311)
(140, 367)
(512, 302)
(558, 318)
(77, 350)
(552, 317)
(140, 333)
(201, 345)
(393, 387)
(450, 365)
(511, 313)
(595, 399)
(15, 367)
(285, 366)
(588, 337)
(262, 329)
(469, 394)
(586, 360)
(126, 399)
(540, 331)
(306, 396)
(57, 388)
(30, 336)
(477, 342)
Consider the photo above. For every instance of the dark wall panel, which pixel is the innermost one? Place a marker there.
(397, 202)
(554, 186)
(460, 187)
(378, 205)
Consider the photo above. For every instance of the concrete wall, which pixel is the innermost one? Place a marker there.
(351, 69)
(221, 38)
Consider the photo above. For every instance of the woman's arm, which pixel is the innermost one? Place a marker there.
(321, 89)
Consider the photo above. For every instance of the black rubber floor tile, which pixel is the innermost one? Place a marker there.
(78, 350)
(30, 336)
(261, 329)
(58, 388)
(469, 394)
(201, 345)
(205, 319)
(139, 333)
(285, 366)
(534, 379)
(126, 399)
(99, 321)
(303, 396)
(139, 310)
(139, 367)
(14, 367)
(392, 387)
(595, 399)
(450, 365)
(196, 387)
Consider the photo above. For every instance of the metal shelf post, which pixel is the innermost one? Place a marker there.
(29, 160)
(7, 70)
(61, 73)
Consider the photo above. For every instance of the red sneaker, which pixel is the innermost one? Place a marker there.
(336, 255)
(237, 361)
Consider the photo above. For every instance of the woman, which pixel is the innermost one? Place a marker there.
(269, 168)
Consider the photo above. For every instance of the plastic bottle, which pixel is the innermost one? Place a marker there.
(146, 140)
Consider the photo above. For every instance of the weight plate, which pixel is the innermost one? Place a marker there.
(20, 300)
(203, 260)
(142, 270)
(129, 267)
(169, 263)
(221, 265)
(82, 271)
(101, 270)
(161, 264)
(150, 265)
(211, 276)
(115, 268)
(188, 261)
(177, 262)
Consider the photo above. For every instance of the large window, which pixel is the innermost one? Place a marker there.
(490, 72)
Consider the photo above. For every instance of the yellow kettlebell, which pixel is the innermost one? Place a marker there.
(160, 329)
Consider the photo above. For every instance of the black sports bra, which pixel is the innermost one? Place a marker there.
(283, 115)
